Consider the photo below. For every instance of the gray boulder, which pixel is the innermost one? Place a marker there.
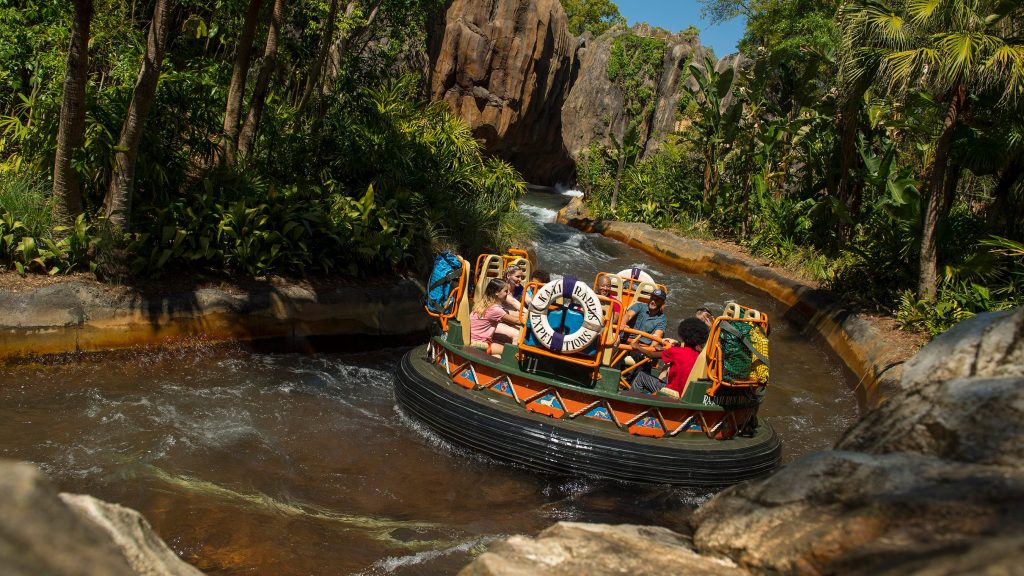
(961, 397)
(42, 532)
(933, 475)
(931, 482)
(571, 548)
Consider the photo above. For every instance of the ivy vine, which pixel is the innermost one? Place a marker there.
(635, 66)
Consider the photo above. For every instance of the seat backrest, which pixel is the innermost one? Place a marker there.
(642, 293)
(734, 310)
(614, 282)
(489, 266)
(700, 367)
(462, 312)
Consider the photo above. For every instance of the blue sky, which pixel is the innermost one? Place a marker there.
(676, 15)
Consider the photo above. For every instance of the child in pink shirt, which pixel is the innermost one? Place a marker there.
(489, 323)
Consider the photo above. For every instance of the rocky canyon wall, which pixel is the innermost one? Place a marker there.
(536, 95)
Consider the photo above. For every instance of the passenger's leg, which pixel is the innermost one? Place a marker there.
(506, 333)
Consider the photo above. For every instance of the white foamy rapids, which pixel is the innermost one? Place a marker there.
(538, 214)
(569, 251)
(220, 428)
(694, 497)
(392, 563)
(575, 193)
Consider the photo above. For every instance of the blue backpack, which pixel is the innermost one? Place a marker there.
(443, 280)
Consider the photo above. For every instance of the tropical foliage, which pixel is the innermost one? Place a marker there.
(876, 145)
(594, 16)
(236, 137)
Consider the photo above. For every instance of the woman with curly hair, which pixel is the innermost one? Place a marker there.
(693, 335)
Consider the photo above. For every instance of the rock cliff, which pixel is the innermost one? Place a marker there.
(536, 95)
(505, 66)
(931, 482)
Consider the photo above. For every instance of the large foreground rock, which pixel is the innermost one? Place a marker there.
(42, 532)
(570, 548)
(931, 482)
(937, 472)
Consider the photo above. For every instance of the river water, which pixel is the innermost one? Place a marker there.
(261, 463)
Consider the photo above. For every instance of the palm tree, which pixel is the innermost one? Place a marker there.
(259, 92)
(239, 72)
(118, 202)
(952, 49)
(67, 196)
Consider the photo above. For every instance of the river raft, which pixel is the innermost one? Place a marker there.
(573, 412)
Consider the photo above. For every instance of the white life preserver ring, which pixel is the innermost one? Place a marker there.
(636, 274)
(584, 297)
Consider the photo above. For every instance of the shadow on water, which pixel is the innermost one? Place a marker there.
(263, 462)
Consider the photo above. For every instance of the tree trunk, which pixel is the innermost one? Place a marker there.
(259, 92)
(340, 47)
(318, 64)
(935, 211)
(118, 203)
(747, 177)
(67, 194)
(849, 190)
(621, 166)
(953, 173)
(1008, 177)
(239, 73)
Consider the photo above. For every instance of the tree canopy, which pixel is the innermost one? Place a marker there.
(594, 16)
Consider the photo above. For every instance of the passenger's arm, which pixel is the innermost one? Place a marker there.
(649, 352)
(510, 318)
(630, 314)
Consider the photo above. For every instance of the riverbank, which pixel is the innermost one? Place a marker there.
(870, 345)
(76, 313)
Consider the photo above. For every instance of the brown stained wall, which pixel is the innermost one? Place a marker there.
(863, 348)
(75, 316)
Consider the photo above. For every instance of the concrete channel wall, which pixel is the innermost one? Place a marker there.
(864, 349)
(79, 317)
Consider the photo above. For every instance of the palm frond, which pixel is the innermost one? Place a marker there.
(907, 66)
(958, 52)
(922, 10)
(884, 25)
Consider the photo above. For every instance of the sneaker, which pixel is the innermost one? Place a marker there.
(666, 391)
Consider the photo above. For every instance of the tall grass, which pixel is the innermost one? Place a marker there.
(28, 199)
